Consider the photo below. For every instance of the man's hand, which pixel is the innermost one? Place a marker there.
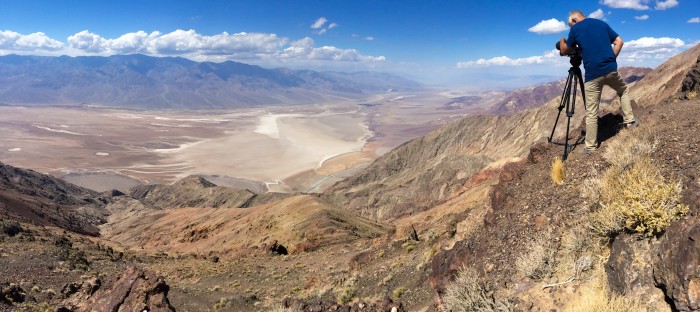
(564, 49)
(617, 45)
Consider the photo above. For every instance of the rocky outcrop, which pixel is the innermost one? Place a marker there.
(691, 83)
(665, 81)
(134, 290)
(630, 270)
(11, 294)
(677, 265)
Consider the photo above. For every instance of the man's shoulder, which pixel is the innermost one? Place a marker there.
(590, 22)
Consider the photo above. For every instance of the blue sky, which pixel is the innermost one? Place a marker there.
(441, 42)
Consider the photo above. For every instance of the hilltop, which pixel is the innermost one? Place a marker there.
(476, 193)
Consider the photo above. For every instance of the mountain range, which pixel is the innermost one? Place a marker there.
(144, 82)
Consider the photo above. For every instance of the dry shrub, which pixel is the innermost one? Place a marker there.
(557, 173)
(579, 250)
(693, 94)
(638, 199)
(280, 308)
(597, 297)
(465, 294)
(540, 260)
(629, 147)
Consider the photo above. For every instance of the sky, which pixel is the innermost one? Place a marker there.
(448, 42)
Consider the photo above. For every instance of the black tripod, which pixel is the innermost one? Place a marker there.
(567, 100)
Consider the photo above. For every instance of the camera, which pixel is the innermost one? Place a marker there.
(574, 54)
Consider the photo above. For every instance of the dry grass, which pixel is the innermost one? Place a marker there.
(280, 308)
(596, 297)
(590, 190)
(467, 294)
(629, 147)
(557, 173)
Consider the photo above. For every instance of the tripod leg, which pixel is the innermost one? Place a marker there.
(581, 84)
(565, 97)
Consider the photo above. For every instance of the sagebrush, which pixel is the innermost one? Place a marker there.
(466, 294)
(638, 199)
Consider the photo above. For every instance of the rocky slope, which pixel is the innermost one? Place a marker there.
(666, 80)
(423, 172)
(28, 196)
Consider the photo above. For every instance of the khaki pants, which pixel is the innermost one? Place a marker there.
(593, 89)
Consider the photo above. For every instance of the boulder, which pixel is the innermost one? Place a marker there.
(134, 290)
(677, 265)
(691, 82)
(629, 271)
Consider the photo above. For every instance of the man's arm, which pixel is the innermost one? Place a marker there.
(617, 45)
(563, 48)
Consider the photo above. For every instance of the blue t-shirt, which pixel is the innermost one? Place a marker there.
(594, 38)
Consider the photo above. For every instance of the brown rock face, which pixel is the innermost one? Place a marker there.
(677, 265)
(629, 270)
(691, 83)
(135, 290)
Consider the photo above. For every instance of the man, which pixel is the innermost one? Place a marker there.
(594, 39)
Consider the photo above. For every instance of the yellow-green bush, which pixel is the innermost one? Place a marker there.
(638, 199)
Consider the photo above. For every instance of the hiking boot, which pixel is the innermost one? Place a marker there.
(586, 151)
(633, 124)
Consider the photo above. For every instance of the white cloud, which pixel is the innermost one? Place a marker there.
(10, 40)
(640, 4)
(551, 26)
(369, 38)
(626, 4)
(87, 41)
(550, 57)
(667, 4)
(692, 20)
(649, 51)
(642, 18)
(304, 50)
(319, 23)
(253, 48)
(643, 52)
(597, 14)
(651, 42)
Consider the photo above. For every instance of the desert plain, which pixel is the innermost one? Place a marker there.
(280, 148)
